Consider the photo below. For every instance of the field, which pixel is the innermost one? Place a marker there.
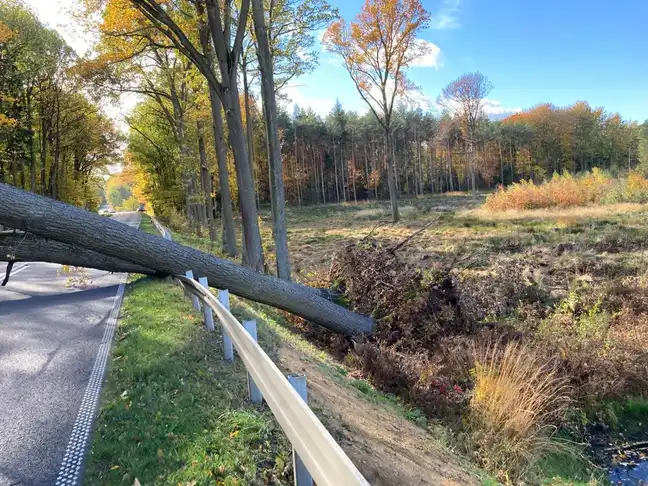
(483, 316)
(567, 284)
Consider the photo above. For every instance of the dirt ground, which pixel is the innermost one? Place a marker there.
(388, 449)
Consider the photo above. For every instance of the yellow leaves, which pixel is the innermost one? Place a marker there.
(6, 34)
(7, 122)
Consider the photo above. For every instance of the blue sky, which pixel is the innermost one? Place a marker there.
(533, 51)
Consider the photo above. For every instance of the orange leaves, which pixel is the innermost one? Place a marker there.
(561, 191)
(378, 46)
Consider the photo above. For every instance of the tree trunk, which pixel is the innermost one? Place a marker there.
(337, 184)
(249, 128)
(247, 202)
(206, 181)
(32, 156)
(43, 156)
(229, 96)
(272, 126)
(353, 170)
(499, 144)
(227, 212)
(391, 176)
(366, 166)
(52, 219)
(31, 248)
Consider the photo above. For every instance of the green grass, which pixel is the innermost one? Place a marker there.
(173, 411)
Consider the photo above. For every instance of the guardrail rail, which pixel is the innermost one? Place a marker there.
(316, 455)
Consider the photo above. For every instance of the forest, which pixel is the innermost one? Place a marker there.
(54, 137)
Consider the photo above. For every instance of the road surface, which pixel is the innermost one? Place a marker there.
(50, 334)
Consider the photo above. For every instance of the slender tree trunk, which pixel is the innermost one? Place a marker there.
(342, 171)
(247, 202)
(229, 245)
(206, 181)
(43, 155)
(353, 170)
(366, 167)
(32, 155)
(511, 160)
(391, 176)
(227, 212)
(249, 128)
(337, 187)
(450, 177)
(394, 164)
(229, 96)
(499, 144)
(321, 161)
(57, 150)
(270, 102)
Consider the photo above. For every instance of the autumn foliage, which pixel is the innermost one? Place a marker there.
(567, 190)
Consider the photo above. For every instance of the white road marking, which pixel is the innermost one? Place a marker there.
(19, 269)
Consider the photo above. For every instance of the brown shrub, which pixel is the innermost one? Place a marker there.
(413, 376)
(413, 308)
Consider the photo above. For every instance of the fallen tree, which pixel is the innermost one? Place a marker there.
(25, 247)
(55, 220)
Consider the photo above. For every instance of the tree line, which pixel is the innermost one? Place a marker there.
(53, 136)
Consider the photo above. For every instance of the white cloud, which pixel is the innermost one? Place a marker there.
(491, 108)
(494, 107)
(431, 55)
(296, 96)
(447, 16)
(57, 15)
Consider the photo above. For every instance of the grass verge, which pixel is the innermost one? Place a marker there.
(173, 411)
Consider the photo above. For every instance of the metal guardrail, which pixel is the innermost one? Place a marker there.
(317, 456)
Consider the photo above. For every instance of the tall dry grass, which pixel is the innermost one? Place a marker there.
(518, 398)
(565, 190)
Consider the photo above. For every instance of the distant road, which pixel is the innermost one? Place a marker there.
(49, 338)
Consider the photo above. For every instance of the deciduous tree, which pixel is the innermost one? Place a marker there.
(376, 50)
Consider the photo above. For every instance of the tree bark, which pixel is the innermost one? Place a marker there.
(249, 127)
(227, 62)
(52, 219)
(272, 126)
(206, 181)
(227, 212)
(391, 176)
(19, 247)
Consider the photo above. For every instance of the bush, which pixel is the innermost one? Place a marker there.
(566, 190)
(517, 400)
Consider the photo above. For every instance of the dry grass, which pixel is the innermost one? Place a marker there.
(518, 398)
(566, 214)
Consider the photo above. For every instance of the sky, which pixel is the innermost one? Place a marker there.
(533, 51)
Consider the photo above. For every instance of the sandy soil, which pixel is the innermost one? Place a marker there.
(388, 449)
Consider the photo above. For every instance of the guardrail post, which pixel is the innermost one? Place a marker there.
(302, 476)
(194, 298)
(228, 349)
(209, 314)
(253, 391)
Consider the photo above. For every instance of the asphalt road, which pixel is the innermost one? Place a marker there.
(49, 338)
